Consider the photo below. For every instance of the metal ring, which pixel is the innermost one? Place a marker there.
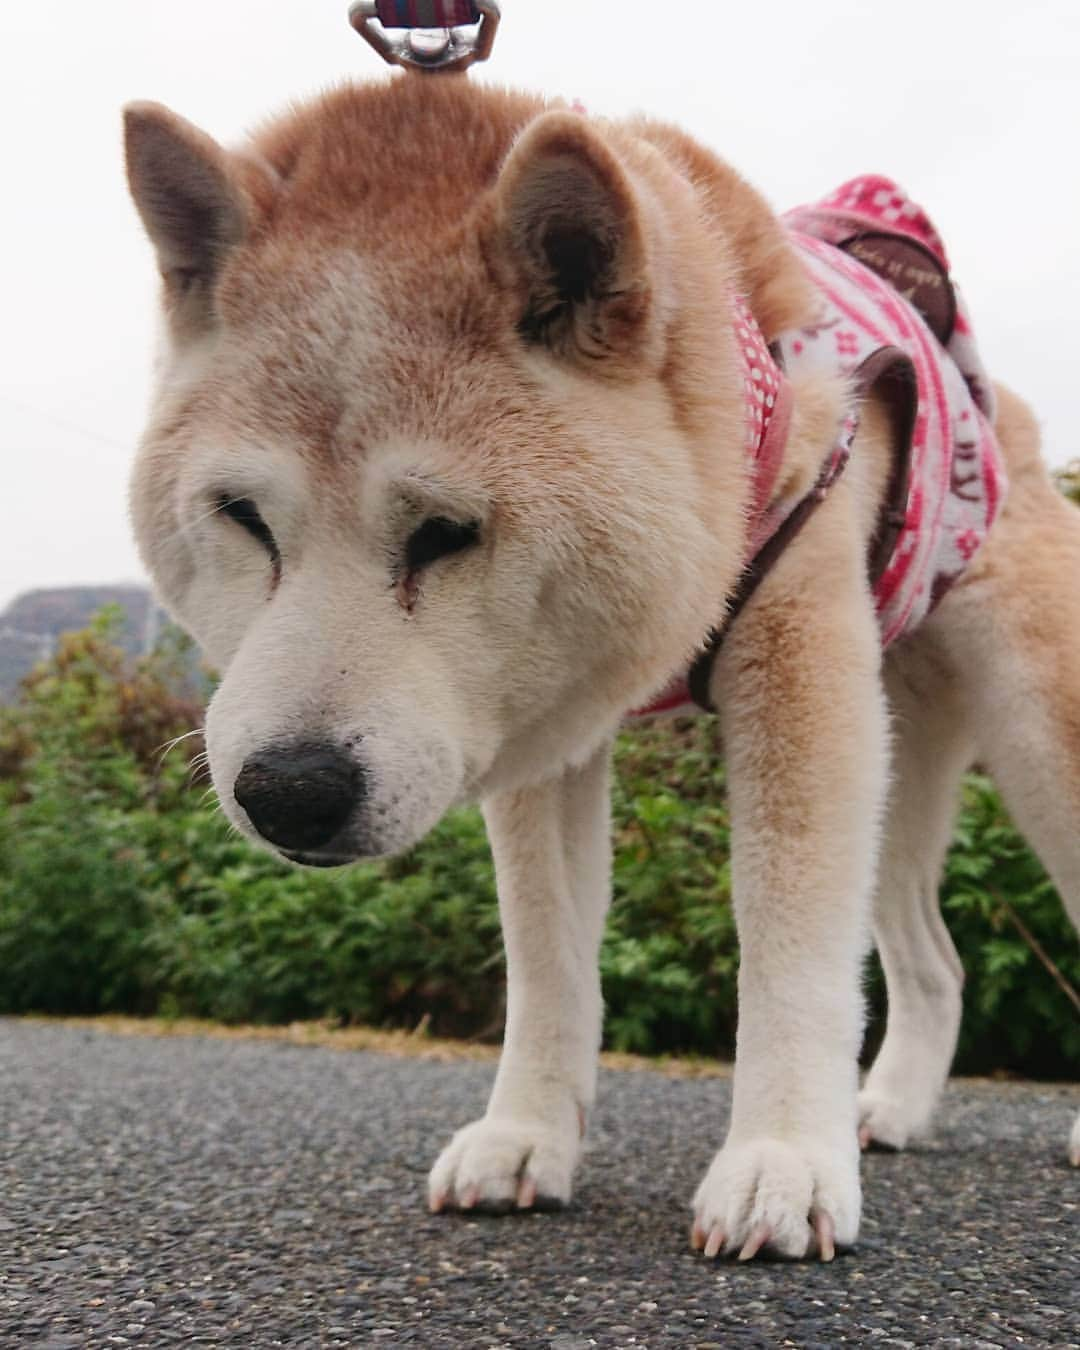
(458, 49)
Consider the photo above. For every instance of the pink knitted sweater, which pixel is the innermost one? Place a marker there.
(889, 317)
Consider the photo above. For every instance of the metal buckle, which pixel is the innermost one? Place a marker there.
(430, 49)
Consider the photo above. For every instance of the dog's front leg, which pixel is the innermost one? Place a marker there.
(805, 741)
(552, 861)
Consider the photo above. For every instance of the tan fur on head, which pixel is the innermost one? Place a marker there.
(407, 293)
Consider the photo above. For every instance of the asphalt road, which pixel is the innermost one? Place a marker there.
(161, 1192)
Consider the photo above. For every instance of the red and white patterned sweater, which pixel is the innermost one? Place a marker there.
(880, 272)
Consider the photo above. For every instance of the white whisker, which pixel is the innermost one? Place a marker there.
(169, 746)
(177, 536)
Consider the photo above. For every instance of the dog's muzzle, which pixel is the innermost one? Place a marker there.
(301, 797)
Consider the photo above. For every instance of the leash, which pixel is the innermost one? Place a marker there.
(891, 373)
(428, 35)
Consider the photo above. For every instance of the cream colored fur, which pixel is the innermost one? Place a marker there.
(425, 299)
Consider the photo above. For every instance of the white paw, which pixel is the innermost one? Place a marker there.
(500, 1163)
(792, 1199)
(1074, 1144)
(891, 1120)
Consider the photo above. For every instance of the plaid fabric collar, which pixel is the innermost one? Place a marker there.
(768, 399)
(426, 13)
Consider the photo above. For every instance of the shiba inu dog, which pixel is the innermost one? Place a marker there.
(448, 469)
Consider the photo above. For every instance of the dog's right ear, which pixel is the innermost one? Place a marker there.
(570, 224)
(189, 193)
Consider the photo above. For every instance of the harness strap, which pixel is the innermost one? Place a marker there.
(892, 373)
(893, 370)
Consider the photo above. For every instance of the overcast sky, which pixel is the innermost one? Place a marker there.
(974, 105)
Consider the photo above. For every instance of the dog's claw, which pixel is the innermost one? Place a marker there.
(866, 1137)
(469, 1197)
(825, 1233)
(754, 1243)
(437, 1202)
(714, 1243)
(697, 1236)
(526, 1194)
(1074, 1155)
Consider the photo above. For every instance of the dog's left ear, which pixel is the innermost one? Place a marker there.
(571, 225)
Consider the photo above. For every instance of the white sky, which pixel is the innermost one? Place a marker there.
(974, 105)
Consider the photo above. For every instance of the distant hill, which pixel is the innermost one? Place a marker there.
(31, 624)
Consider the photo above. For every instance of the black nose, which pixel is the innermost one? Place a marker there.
(299, 796)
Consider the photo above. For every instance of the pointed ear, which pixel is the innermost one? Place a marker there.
(572, 227)
(188, 192)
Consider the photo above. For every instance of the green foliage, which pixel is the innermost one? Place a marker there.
(122, 889)
(242, 938)
(669, 957)
(82, 812)
(1068, 480)
(1018, 1016)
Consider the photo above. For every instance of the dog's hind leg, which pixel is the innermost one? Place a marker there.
(1036, 764)
(1012, 629)
(932, 746)
(1029, 740)
(552, 853)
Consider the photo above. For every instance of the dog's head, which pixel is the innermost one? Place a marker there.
(444, 464)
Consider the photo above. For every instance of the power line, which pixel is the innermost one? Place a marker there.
(63, 423)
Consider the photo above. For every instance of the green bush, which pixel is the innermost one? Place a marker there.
(122, 889)
(1017, 1016)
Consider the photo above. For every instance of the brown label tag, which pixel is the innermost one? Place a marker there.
(913, 271)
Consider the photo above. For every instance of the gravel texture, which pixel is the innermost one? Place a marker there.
(196, 1192)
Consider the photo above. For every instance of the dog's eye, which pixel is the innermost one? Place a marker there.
(244, 511)
(437, 538)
